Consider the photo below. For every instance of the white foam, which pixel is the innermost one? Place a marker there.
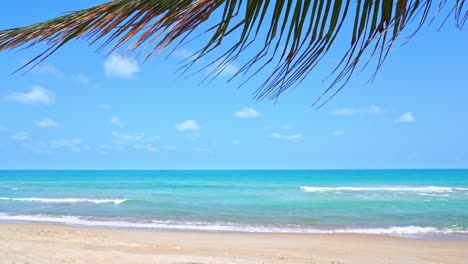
(223, 226)
(434, 194)
(65, 200)
(425, 189)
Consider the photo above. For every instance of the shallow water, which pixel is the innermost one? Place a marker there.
(424, 203)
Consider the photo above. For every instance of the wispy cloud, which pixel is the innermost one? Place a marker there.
(346, 111)
(80, 78)
(148, 147)
(405, 118)
(48, 69)
(224, 70)
(138, 141)
(105, 106)
(120, 138)
(37, 95)
(104, 149)
(247, 112)
(184, 53)
(193, 136)
(287, 127)
(338, 133)
(171, 148)
(73, 144)
(293, 137)
(120, 67)
(47, 123)
(236, 142)
(116, 121)
(201, 150)
(21, 136)
(188, 125)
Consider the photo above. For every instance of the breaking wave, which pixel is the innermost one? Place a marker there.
(221, 226)
(65, 200)
(425, 189)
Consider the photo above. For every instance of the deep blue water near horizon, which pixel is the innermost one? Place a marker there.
(421, 203)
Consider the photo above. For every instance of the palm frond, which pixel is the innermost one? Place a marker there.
(291, 36)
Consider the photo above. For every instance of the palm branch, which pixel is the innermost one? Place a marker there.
(290, 38)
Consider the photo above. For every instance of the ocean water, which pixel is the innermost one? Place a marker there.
(416, 203)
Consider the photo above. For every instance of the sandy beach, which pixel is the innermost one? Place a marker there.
(48, 244)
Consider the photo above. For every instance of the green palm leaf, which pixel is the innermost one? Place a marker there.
(289, 37)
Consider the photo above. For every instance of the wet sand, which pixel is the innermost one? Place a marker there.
(49, 244)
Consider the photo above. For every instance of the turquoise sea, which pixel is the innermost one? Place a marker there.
(417, 203)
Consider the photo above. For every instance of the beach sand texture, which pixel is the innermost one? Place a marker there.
(49, 244)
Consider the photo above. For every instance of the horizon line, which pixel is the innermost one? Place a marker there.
(326, 169)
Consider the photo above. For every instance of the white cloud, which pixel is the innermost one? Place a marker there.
(338, 133)
(374, 109)
(152, 139)
(247, 112)
(193, 136)
(188, 125)
(151, 148)
(294, 137)
(224, 70)
(229, 70)
(138, 141)
(147, 147)
(48, 69)
(236, 141)
(184, 53)
(47, 123)
(86, 147)
(21, 136)
(287, 127)
(406, 118)
(118, 66)
(73, 144)
(127, 139)
(80, 78)
(116, 121)
(171, 148)
(105, 106)
(346, 111)
(37, 95)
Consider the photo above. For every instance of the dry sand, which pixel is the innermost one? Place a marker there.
(50, 244)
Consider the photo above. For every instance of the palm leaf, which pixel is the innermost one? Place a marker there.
(290, 37)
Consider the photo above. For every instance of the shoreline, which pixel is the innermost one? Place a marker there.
(410, 231)
(55, 243)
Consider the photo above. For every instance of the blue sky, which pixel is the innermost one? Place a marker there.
(81, 110)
